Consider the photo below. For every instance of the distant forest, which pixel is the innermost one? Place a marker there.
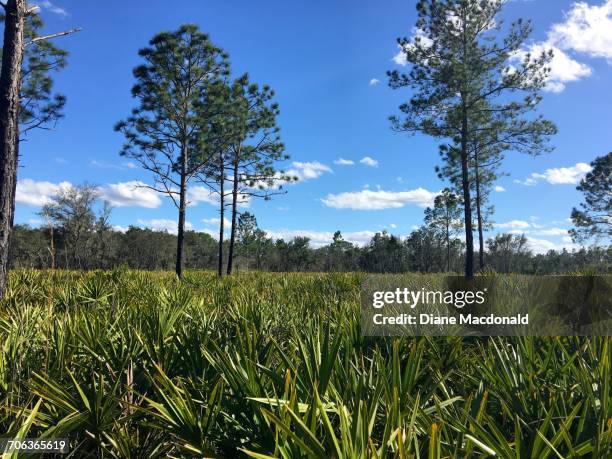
(76, 236)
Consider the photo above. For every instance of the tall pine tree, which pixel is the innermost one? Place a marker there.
(27, 100)
(166, 128)
(461, 69)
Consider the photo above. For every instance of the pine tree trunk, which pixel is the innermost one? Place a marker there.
(180, 240)
(221, 215)
(10, 89)
(448, 251)
(467, 200)
(230, 255)
(479, 213)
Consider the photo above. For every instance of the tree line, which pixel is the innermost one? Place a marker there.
(76, 234)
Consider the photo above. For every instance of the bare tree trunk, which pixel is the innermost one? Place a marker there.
(479, 212)
(221, 215)
(52, 245)
(10, 89)
(448, 251)
(467, 200)
(180, 240)
(230, 255)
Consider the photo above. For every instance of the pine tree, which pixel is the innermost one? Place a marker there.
(594, 218)
(243, 164)
(445, 217)
(463, 73)
(166, 128)
(26, 100)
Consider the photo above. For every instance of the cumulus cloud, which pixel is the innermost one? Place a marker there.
(321, 238)
(34, 193)
(125, 194)
(307, 170)
(52, 8)
(551, 232)
(215, 221)
(400, 57)
(197, 194)
(379, 199)
(513, 225)
(558, 176)
(163, 224)
(344, 162)
(374, 82)
(587, 29)
(107, 165)
(499, 189)
(563, 68)
(544, 245)
(371, 162)
(130, 194)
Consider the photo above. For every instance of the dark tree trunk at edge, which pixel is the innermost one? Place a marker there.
(467, 200)
(448, 251)
(10, 88)
(221, 216)
(180, 240)
(479, 213)
(230, 255)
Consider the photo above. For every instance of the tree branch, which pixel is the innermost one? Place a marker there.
(53, 35)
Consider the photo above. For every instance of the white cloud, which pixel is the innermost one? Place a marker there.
(392, 226)
(499, 189)
(203, 194)
(130, 194)
(163, 224)
(563, 68)
(400, 57)
(380, 199)
(197, 194)
(107, 165)
(371, 162)
(344, 162)
(558, 176)
(60, 160)
(52, 8)
(307, 170)
(321, 238)
(33, 193)
(543, 245)
(120, 229)
(551, 232)
(513, 224)
(374, 82)
(215, 221)
(587, 29)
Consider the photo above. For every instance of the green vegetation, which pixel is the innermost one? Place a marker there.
(138, 364)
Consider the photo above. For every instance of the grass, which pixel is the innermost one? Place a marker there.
(135, 364)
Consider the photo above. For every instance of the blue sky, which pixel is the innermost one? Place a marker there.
(327, 63)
